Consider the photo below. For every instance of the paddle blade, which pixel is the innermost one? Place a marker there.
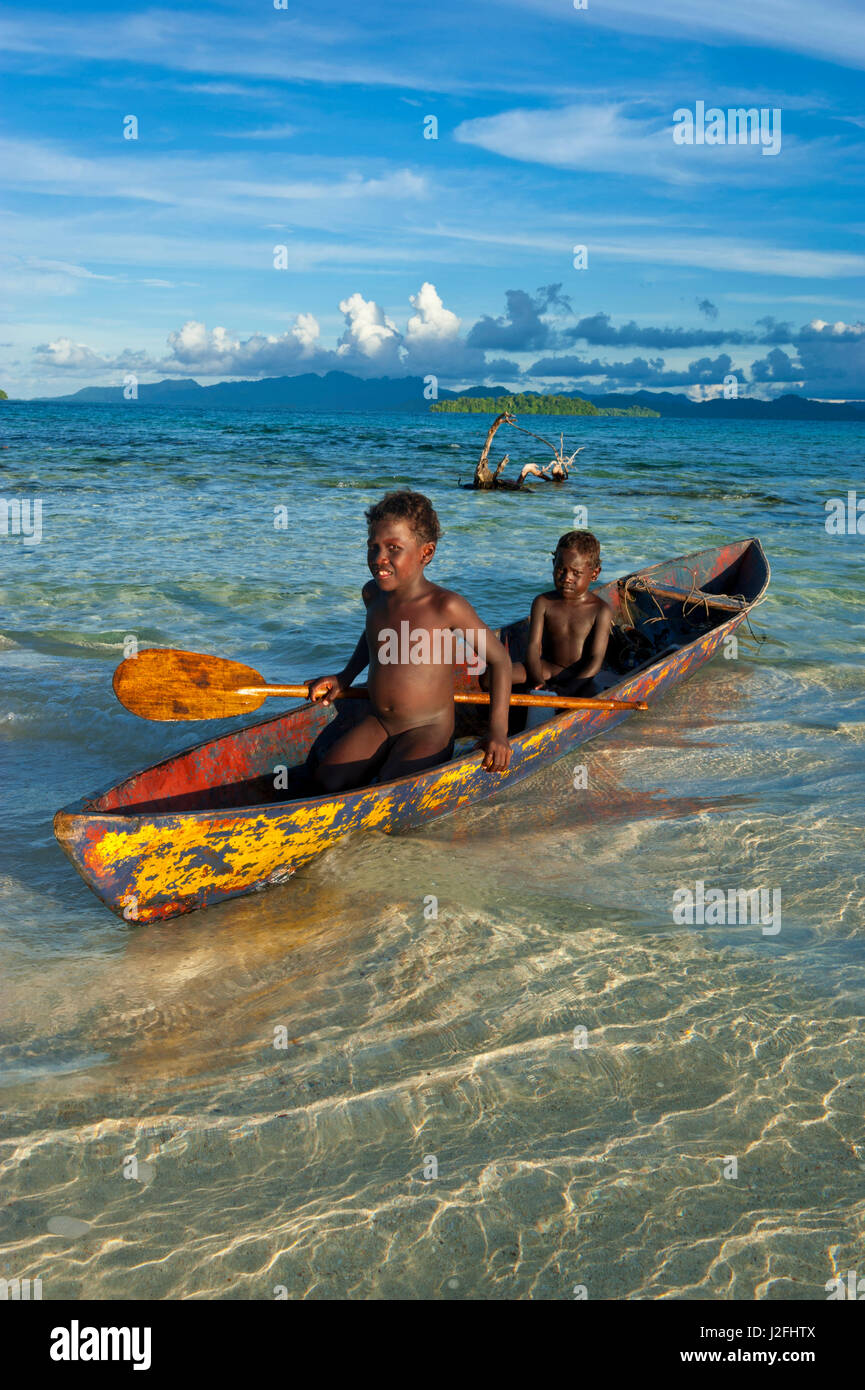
(170, 685)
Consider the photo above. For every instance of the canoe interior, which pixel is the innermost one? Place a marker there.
(241, 768)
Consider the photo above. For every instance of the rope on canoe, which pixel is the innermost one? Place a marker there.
(695, 599)
(639, 585)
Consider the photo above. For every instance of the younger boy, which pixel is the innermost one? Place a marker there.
(409, 647)
(569, 627)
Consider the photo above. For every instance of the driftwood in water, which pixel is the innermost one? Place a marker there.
(485, 478)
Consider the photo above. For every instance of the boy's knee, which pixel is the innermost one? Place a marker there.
(330, 777)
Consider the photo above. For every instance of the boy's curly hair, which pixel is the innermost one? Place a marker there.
(584, 542)
(409, 506)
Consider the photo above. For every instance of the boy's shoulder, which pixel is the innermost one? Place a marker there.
(445, 599)
(602, 606)
(540, 601)
(369, 591)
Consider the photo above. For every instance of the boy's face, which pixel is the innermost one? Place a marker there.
(394, 553)
(573, 572)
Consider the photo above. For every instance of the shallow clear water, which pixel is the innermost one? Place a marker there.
(411, 1038)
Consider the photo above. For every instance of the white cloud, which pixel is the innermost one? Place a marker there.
(433, 323)
(64, 353)
(272, 132)
(694, 249)
(601, 138)
(214, 352)
(834, 29)
(225, 45)
(397, 186)
(370, 345)
(75, 272)
(839, 329)
(369, 333)
(831, 356)
(307, 331)
(591, 136)
(198, 182)
(229, 89)
(432, 339)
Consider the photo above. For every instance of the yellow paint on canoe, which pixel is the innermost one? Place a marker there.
(187, 858)
(169, 861)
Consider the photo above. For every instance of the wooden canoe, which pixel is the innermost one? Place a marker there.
(208, 824)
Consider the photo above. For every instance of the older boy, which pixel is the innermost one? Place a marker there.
(408, 645)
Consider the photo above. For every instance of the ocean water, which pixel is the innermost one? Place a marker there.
(434, 1127)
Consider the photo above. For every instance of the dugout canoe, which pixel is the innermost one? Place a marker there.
(209, 824)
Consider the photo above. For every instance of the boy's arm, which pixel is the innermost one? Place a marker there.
(357, 662)
(326, 688)
(534, 643)
(462, 618)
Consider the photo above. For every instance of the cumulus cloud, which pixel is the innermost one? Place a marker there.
(370, 345)
(66, 355)
(369, 337)
(214, 352)
(706, 307)
(826, 360)
(638, 373)
(432, 339)
(598, 329)
(839, 332)
(775, 366)
(775, 330)
(521, 328)
(503, 368)
(432, 323)
(833, 359)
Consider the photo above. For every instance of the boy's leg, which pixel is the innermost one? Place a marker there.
(519, 677)
(354, 758)
(414, 750)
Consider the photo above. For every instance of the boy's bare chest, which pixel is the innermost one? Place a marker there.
(384, 618)
(567, 624)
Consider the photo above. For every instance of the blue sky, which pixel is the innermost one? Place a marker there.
(304, 128)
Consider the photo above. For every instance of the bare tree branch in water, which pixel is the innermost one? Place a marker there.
(485, 478)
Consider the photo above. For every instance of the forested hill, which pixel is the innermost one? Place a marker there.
(340, 391)
(531, 404)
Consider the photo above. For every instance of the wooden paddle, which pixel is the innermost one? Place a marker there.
(166, 684)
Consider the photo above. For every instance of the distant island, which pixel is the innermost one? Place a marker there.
(3, 396)
(531, 403)
(343, 392)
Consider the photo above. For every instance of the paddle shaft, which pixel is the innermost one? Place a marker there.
(166, 684)
(463, 697)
